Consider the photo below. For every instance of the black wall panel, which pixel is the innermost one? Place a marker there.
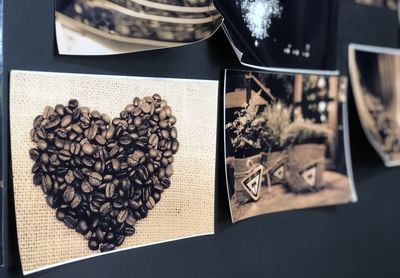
(357, 240)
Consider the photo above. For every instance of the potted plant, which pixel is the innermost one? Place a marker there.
(247, 144)
(306, 145)
(274, 120)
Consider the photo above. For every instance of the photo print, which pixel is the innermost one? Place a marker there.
(391, 4)
(108, 163)
(276, 34)
(286, 144)
(374, 75)
(106, 27)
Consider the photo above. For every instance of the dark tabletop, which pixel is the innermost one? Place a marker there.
(357, 240)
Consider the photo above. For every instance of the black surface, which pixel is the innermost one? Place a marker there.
(357, 240)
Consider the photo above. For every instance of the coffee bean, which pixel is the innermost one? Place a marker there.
(34, 154)
(64, 155)
(88, 148)
(95, 115)
(69, 177)
(162, 115)
(172, 120)
(73, 103)
(44, 158)
(165, 134)
(41, 145)
(60, 215)
(122, 215)
(92, 132)
(105, 119)
(109, 237)
(53, 121)
(76, 114)
(69, 221)
(93, 244)
(86, 187)
(82, 227)
(169, 171)
(119, 240)
(165, 183)
(109, 191)
(66, 121)
(125, 140)
(69, 194)
(105, 209)
(124, 115)
(134, 159)
(59, 109)
(173, 133)
(46, 183)
(145, 107)
(95, 179)
(77, 128)
(134, 204)
(156, 196)
(76, 201)
(130, 220)
(100, 139)
(107, 247)
(78, 174)
(175, 146)
(110, 132)
(128, 231)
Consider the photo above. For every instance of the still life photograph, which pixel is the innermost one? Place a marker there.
(107, 27)
(286, 146)
(373, 72)
(109, 163)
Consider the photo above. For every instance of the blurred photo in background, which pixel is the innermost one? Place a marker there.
(100, 27)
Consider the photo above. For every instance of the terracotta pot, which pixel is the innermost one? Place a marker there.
(305, 167)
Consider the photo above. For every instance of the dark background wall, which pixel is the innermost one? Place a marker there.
(357, 240)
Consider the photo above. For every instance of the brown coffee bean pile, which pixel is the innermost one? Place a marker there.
(102, 176)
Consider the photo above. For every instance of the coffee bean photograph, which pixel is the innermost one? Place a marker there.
(99, 27)
(374, 73)
(285, 142)
(94, 174)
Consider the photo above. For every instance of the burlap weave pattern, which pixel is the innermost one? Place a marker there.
(185, 209)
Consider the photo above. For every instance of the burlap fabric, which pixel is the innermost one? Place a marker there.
(300, 158)
(272, 161)
(185, 209)
(242, 167)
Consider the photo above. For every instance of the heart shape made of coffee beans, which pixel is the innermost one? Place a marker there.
(102, 176)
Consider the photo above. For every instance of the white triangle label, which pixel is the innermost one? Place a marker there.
(310, 175)
(279, 172)
(252, 183)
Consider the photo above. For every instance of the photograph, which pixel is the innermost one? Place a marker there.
(108, 163)
(374, 75)
(282, 34)
(286, 144)
(107, 27)
(391, 4)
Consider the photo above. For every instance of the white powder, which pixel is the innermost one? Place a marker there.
(258, 16)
